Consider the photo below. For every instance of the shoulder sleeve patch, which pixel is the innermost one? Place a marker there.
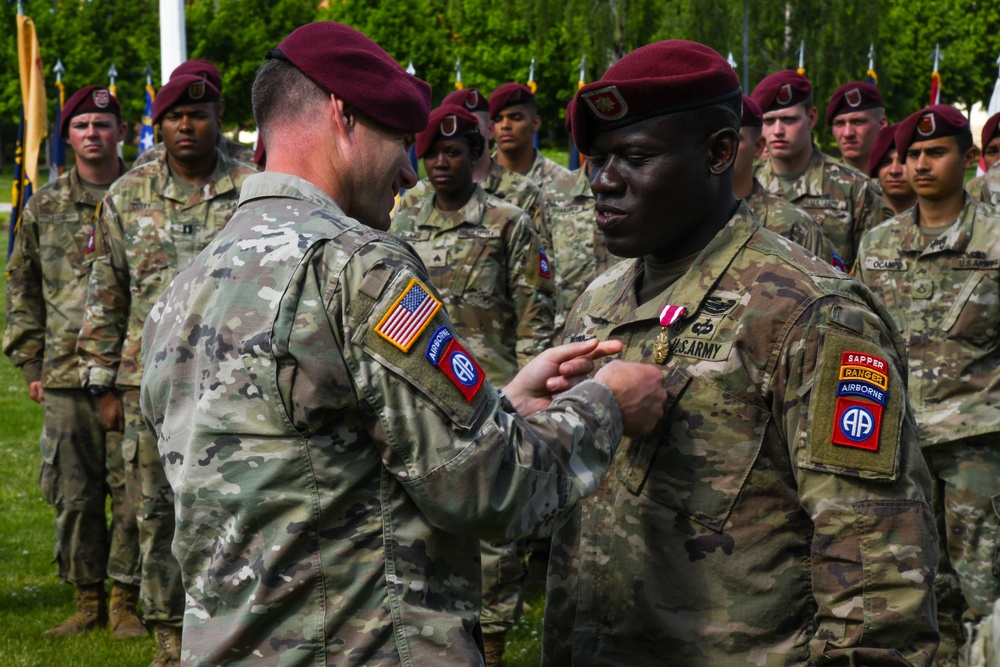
(856, 409)
(408, 316)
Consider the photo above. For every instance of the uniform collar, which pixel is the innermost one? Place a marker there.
(270, 184)
(694, 286)
(219, 183)
(581, 184)
(954, 239)
(810, 183)
(471, 213)
(80, 194)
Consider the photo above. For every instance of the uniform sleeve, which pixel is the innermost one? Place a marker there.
(870, 211)
(468, 460)
(24, 335)
(863, 481)
(531, 287)
(105, 316)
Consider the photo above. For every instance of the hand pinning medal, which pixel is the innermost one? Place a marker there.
(661, 346)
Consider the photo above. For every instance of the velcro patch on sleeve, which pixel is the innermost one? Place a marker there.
(445, 352)
(408, 316)
(856, 408)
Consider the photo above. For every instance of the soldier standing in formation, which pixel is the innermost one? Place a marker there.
(991, 152)
(888, 167)
(843, 202)
(516, 120)
(153, 221)
(936, 268)
(772, 212)
(777, 515)
(335, 450)
(46, 292)
(855, 114)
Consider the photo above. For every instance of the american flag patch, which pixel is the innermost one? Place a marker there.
(408, 316)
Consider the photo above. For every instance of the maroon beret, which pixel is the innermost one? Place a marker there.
(200, 67)
(470, 98)
(92, 99)
(344, 62)
(852, 96)
(781, 90)
(654, 80)
(990, 129)
(448, 120)
(752, 115)
(183, 89)
(885, 141)
(508, 95)
(940, 120)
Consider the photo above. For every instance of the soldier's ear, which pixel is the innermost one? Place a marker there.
(722, 146)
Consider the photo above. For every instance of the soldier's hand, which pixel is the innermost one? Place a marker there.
(640, 393)
(36, 392)
(112, 414)
(555, 370)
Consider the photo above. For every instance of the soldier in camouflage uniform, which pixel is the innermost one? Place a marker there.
(843, 202)
(516, 120)
(855, 114)
(772, 212)
(46, 292)
(991, 151)
(208, 71)
(334, 447)
(776, 516)
(493, 270)
(889, 169)
(153, 221)
(936, 268)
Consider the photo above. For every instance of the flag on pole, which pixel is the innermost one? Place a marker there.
(458, 74)
(872, 76)
(534, 89)
(936, 78)
(58, 161)
(802, 58)
(34, 120)
(147, 136)
(574, 153)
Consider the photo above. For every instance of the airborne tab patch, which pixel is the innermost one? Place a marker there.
(445, 352)
(408, 316)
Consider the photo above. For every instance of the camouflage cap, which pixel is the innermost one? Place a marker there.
(470, 98)
(183, 89)
(447, 121)
(654, 80)
(752, 115)
(885, 141)
(991, 129)
(346, 63)
(933, 122)
(781, 90)
(508, 95)
(92, 99)
(853, 96)
(200, 67)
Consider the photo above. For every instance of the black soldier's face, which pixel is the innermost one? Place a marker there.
(190, 131)
(449, 165)
(650, 180)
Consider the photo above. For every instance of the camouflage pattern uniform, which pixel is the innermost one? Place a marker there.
(842, 201)
(330, 486)
(990, 193)
(502, 183)
(488, 262)
(944, 293)
(975, 187)
(579, 251)
(737, 533)
(234, 150)
(147, 230)
(788, 220)
(543, 171)
(81, 466)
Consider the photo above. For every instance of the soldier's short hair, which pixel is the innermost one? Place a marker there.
(281, 92)
(704, 121)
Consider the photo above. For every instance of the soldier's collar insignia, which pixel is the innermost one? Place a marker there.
(445, 352)
(926, 125)
(606, 103)
(784, 95)
(449, 124)
(472, 100)
(408, 316)
(102, 98)
(853, 97)
(196, 91)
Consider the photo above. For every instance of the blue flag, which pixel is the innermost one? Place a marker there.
(147, 138)
(21, 188)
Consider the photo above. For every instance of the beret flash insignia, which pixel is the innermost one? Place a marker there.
(853, 97)
(472, 100)
(449, 124)
(196, 90)
(102, 98)
(606, 103)
(784, 95)
(926, 125)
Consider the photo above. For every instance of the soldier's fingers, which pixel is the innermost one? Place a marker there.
(577, 366)
(561, 353)
(606, 348)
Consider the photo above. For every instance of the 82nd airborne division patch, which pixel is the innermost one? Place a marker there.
(861, 396)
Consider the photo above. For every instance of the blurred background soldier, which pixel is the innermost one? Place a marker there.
(855, 114)
(516, 121)
(990, 148)
(889, 168)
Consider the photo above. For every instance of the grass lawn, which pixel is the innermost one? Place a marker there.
(33, 599)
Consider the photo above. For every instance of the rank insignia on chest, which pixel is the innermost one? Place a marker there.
(544, 267)
(408, 316)
(861, 397)
(445, 352)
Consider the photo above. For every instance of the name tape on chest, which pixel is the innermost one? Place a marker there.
(861, 397)
(445, 352)
(878, 264)
(408, 316)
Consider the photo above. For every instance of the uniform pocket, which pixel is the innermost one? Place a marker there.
(975, 314)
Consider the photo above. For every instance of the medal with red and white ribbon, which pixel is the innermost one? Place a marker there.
(661, 346)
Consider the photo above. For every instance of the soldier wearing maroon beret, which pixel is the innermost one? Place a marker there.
(889, 167)
(936, 267)
(335, 448)
(844, 203)
(206, 70)
(856, 114)
(515, 114)
(752, 526)
(81, 464)
(990, 148)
